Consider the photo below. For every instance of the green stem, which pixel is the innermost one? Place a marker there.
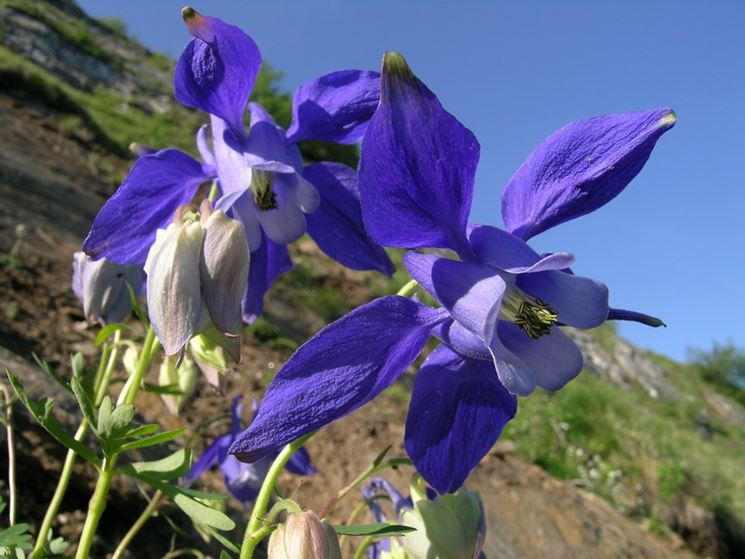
(408, 289)
(152, 506)
(254, 532)
(59, 494)
(96, 508)
(8, 402)
(369, 471)
(149, 347)
(363, 547)
(101, 384)
(98, 502)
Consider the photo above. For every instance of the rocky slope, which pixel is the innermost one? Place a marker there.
(74, 92)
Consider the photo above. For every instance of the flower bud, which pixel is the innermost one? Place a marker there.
(210, 358)
(174, 296)
(129, 359)
(101, 286)
(223, 271)
(183, 378)
(449, 527)
(304, 536)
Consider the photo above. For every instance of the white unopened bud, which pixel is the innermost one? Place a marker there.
(101, 285)
(224, 271)
(129, 359)
(174, 296)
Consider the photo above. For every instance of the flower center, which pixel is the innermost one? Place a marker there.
(261, 186)
(532, 315)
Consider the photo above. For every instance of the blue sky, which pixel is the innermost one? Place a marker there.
(672, 244)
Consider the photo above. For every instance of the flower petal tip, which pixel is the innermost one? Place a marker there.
(669, 120)
(395, 65)
(197, 24)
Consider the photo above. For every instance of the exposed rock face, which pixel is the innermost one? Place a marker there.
(84, 53)
(624, 365)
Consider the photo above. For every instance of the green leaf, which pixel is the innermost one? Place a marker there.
(165, 469)
(203, 513)
(232, 546)
(50, 372)
(104, 412)
(172, 389)
(112, 420)
(202, 495)
(153, 440)
(381, 529)
(121, 418)
(80, 372)
(107, 331)
(135, 431)
(42, 412)
(15, 536)
(77, 362)
(57, 546)
(196, 510)
(84, 400)
(224, 554)
(379, 458)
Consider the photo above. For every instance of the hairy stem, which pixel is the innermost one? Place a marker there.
(255, 532)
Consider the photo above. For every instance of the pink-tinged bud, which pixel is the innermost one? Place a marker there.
(224, 271)
(174, 296)
(304, 536)
(210, 357)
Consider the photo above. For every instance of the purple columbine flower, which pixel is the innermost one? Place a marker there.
(243, 481)
(502, 303)
(260, 175)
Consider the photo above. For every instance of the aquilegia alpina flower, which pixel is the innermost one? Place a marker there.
(101, 286)
(259, 174)
(243, 480)
(502, 305)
